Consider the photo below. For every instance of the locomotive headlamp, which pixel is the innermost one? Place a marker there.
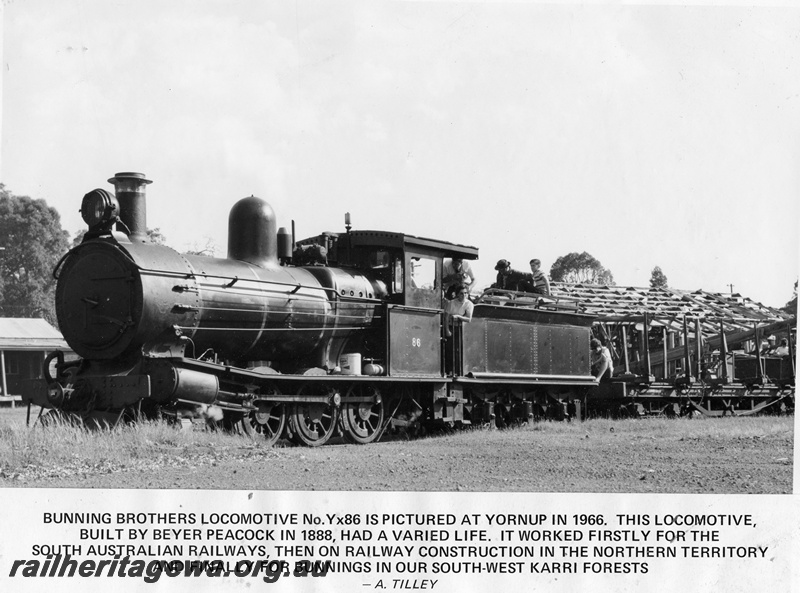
(99, 207)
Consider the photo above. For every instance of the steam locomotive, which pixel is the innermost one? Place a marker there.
(338, 334)
(345, 334)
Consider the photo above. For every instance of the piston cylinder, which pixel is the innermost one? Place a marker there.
(169, 382)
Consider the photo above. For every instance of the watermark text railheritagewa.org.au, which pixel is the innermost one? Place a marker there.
(151, 571)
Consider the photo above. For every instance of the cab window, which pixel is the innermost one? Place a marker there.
(379, 260)
(423, 273)
(422, 281)
(397, 277)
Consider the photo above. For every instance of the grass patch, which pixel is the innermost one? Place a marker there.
(61, 449)
(598, 455)
(708, 429)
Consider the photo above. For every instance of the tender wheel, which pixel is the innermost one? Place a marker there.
(268, 420)
(502, 416)
(313, 423)
(362, 422)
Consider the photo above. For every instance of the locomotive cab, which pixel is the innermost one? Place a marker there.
(410, 266)
(411, 269)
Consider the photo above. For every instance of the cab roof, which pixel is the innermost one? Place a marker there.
(403, 241)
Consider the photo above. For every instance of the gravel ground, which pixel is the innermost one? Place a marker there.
(728, 455)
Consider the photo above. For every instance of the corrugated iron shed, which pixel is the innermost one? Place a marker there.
(29, 334)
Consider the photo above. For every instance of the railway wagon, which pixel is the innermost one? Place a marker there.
(689, 369)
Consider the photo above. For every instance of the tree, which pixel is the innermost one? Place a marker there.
(580, 268)
(156, 236)
(209, 250)
(31, 233)
(657, 278)
(791, 306)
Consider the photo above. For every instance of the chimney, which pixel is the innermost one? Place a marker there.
(130, 191)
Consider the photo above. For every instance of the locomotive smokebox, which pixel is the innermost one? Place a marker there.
(252, 234)
(130, 191)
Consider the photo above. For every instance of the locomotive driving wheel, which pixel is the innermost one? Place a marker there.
(313, 423)
(268, 420)
(362, 421)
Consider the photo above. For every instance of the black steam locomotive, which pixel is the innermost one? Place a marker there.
(343, 333)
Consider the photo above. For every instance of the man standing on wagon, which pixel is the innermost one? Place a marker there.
(602, 364)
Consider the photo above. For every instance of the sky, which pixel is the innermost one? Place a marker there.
(646, 135)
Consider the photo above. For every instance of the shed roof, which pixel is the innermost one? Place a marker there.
(29, 334)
